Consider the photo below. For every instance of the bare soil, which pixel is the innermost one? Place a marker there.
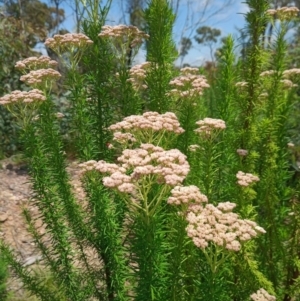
(16, 194)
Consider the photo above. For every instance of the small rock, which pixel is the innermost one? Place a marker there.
(31, 260)
(3, 217)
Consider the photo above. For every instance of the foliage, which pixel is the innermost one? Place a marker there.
(37, 19)
(162, 153)
(21, 28)
(185, 46)
(3, 279)
(161, 53)
(207, 36)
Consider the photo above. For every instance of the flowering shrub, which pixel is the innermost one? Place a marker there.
(188, 189)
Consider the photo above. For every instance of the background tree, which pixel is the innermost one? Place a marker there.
(23, 25)
(208, 36)
(192, 16)
(38, 19)
(185, 46)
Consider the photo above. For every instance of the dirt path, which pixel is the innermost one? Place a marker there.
(15, 194)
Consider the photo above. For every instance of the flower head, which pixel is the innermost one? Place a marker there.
(189, 70)
(262, 295)
(284, 13)
(241, 84)
(245, 179)
(68, 42)
(150, 126)
(287, 13)
(186, 195)
(169, 167)
(193, 147)
(34, 63)
(209, 125)
(288, 84)
(291, 73)
(268, 73)
(17, 96)
(137, 75)
(242, 152)
(271, 12)
(41, 77)
(220, 226)
(188, 84)
(124, 33)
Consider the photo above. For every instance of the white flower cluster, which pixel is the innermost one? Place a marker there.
(245, 179)
(40, 77)
(291, 72)
(33, 63)
(262, 295)
(188, 84)
(67, 41)
(284, 13)
(242, 152)
(149, 121)
(208, 125)
(130, 33)
(137, 75)
(263, 95)
(219, 225)
(169, 167)
(288, 84)
(17, 96)
(193, 147)
(241, 84)
(59, 115)
(268, 73)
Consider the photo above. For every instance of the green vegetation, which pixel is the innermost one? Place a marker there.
(190, 175)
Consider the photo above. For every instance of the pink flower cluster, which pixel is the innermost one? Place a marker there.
(124, 138)
(17, 96)
(149, 121)
(189, 70)
(262, 295)
(70, 40)
(284, 13)
(209, 125)
(186, 195)
(219, 225)
(188, 84)
(40, 77)
(169, 167)
(137, 76)
(34, 63)
(130, 33)
(245, 179)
